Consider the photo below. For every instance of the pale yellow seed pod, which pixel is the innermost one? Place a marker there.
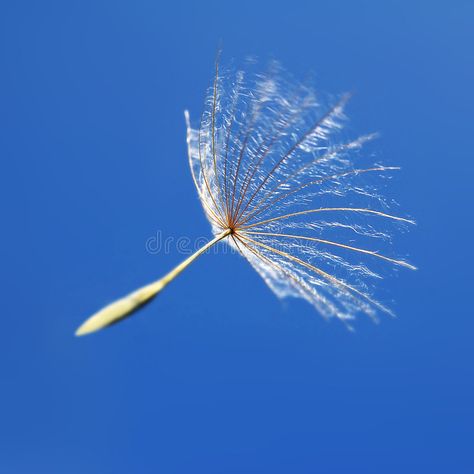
(116, 311)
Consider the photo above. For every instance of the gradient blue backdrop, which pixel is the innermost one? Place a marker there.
(217, 375)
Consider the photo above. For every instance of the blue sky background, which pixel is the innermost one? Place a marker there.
(217, 375)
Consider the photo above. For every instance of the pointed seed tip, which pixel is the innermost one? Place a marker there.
(81, 331)
(87, 327)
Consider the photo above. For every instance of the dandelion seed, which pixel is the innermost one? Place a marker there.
(276, 186)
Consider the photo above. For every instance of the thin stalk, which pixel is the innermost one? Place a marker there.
(125, 306)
